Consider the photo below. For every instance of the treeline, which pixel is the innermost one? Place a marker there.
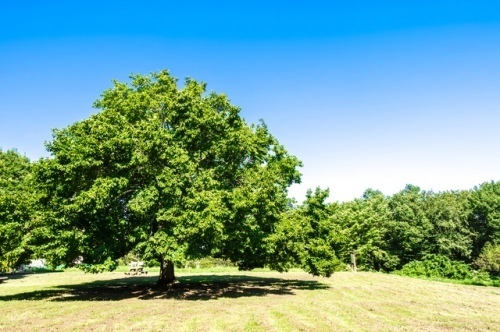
(416, 231)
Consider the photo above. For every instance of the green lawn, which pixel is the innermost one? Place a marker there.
(244, 301)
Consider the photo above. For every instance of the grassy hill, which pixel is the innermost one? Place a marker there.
(244, 301)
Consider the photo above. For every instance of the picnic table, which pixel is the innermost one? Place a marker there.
(2, 279)
(135, 268)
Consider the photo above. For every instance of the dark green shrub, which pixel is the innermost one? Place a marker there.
(437, 266)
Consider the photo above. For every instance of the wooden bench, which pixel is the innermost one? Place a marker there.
(2, 279)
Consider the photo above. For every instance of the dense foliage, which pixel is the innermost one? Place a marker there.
(171, 174)
(437, 266)
(489, 259)
(418, 232)
(304, 236)
(17, 201)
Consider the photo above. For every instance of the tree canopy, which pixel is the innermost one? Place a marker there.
(172, 173)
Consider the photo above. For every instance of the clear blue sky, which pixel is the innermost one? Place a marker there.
(366, 93)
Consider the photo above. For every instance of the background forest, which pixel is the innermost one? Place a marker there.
(451, 234)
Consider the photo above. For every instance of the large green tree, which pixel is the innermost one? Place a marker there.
(171, 173)
(17, 201)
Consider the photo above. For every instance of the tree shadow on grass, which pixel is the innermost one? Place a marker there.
(194, 288)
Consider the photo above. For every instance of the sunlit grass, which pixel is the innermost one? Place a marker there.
(228, 300)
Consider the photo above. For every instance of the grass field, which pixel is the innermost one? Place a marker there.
(244, 301)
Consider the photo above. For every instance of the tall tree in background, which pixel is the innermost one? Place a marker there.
(170, 173)
(364, 222)
(485, 216)
(409, 226)
(306, 237)
(16, 207)
(448, 213)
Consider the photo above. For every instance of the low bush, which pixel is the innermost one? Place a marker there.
(437, 266)
(489, 259)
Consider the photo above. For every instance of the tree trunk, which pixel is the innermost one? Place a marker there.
(167, 276)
